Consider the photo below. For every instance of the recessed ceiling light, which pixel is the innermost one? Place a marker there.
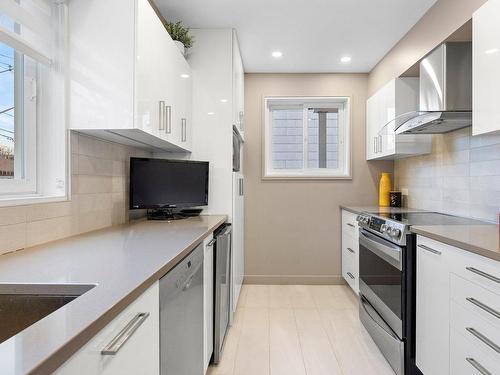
(223, 100)
(184, 75)
(345, 59)
(277, 54)
(491, 51)
(211, 113)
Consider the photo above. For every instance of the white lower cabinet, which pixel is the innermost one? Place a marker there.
(458, 311)
(350, 250)
(208, 301)
(432, 309)
(140, 354)
(238, 239)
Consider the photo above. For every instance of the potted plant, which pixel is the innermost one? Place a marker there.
(180, 35)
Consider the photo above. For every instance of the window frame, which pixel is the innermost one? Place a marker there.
(42, 169)
(24, 181)
(343, 103)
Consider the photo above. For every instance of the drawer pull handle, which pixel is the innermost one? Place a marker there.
(351, 250)
(350, 275)
(351, 225)
(484, 307)
(479, 367)
(122, 337)
(483, 338)
(483, 274)
(430, 249)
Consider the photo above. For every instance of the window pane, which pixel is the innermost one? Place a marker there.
(323, 140)
(7, 115)
(287, 138)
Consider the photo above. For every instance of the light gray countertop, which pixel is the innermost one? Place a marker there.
(375, 209)
(123, 261)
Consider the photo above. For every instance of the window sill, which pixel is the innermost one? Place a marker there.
(23, 200)
(305, 177)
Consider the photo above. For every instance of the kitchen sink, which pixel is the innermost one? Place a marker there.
(22, 305)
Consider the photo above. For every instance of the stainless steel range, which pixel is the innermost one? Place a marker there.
(387, 280)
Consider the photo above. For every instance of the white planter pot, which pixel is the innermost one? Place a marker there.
(180, 46)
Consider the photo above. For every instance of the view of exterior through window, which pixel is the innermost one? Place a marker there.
(307, 137)
(7, 111)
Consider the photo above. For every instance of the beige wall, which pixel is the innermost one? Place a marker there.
(434, 27)
(292, 228)
(99, 199)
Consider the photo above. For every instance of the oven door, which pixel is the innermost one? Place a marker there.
(380, 278)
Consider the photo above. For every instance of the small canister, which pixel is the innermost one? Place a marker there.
(395, 198)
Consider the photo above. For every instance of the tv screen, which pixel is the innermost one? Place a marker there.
(161, 183)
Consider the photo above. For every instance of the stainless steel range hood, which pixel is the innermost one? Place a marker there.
(445, 92)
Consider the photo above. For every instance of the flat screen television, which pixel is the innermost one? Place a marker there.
(164, 183)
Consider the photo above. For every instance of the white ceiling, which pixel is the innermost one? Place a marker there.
(313, 35)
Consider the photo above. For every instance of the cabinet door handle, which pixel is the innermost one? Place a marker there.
(161, 115)
(484, 307)
(350, 275)
(429, 249)
(212, 241)
(351, 225)
(168, 119)
(479, 367)
(483, 274)
(483, 338)
(241, 119)
(240, 187)
(122, 337)
(351, 250)
(183, 130)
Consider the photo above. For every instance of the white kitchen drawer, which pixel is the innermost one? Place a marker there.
(349, 223)
(350, 270)
(464, 351)
(469, 323)
(480, 270)
(140, 354)
(476, 298)
(350, 245)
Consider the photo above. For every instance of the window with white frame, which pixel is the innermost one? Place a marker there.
(307, 137)
(32, 99)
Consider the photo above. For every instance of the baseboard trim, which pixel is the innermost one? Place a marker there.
(294, 280)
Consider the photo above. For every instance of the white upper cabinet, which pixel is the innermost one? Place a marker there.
(397, 97)
(129, 82)
(238, 87)
(486, 68)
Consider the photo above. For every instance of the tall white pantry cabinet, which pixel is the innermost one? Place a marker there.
(218, 107)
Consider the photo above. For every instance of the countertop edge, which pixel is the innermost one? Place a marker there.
(64, 353)
(456, 243)
(350, 209)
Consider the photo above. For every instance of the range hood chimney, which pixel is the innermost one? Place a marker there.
(445, 92)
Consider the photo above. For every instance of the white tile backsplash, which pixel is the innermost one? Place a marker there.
(99, 199)
(461, 176)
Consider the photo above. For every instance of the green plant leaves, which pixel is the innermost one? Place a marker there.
(178, 32)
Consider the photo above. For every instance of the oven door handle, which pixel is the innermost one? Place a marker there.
(387, 251)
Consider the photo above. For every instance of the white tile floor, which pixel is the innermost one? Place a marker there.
(299, 330)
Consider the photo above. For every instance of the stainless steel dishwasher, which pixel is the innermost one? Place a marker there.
(181, 317)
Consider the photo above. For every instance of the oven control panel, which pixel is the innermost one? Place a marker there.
(392, 230)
